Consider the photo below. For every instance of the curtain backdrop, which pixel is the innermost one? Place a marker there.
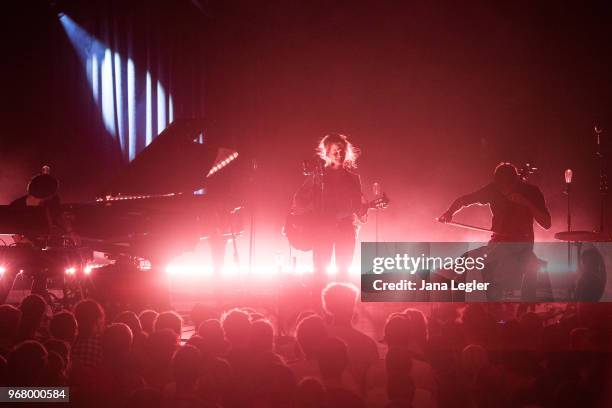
(142, 67)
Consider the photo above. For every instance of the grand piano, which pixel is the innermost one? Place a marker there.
(161, 204)
(158, 206)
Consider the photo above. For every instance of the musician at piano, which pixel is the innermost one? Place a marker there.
(42, 191)
(515, 205)
(334, 197)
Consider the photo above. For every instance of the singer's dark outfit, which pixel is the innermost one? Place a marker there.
(512, 226)
(334, 200)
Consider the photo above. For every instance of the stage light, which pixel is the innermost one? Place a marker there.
(332, 270)
(90, 50)
(171, 269)
(302, 269)
(279, 260)
(265, 271)
(188, 270)
(2, 270)
(568, 176)
(354, 269)
(230, 270)
(70, 270)
(224, 157)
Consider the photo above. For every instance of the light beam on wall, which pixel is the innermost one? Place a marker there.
(108, 73)
(131, 96)
(149, 110)
(161, 106)
(108, 103)
(119, 100)
(93, 76)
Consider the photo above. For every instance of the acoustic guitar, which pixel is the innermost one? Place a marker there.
(301, 229)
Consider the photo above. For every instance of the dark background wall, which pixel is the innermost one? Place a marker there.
(434, 93)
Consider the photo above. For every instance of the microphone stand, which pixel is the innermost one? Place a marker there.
(252, 183)
(376, 231)
(603, 183)
(376, 191)
(568, 182)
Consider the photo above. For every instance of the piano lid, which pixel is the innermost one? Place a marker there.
(175, 162)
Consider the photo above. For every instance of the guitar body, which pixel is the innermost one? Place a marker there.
(301, 229)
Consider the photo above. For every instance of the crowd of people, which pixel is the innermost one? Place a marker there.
(475, 355)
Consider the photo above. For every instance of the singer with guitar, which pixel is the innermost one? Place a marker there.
(515, 205)
(329, 206)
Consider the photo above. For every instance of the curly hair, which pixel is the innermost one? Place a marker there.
(351, 152)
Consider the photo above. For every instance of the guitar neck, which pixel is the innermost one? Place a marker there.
(380, 202)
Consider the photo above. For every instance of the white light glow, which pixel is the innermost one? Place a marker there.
(149, 111)
(119, 99)
(108, 103)
(94, 77)
(195, 269)
(189, 269)
(332, 270)
(161, 108)
(131, 102)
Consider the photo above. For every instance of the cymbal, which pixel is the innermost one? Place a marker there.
(581, 236)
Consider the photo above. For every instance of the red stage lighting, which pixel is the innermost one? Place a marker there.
(568, 176)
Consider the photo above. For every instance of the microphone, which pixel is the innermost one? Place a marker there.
(598, 131)
(376, 189)
(305, 168)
